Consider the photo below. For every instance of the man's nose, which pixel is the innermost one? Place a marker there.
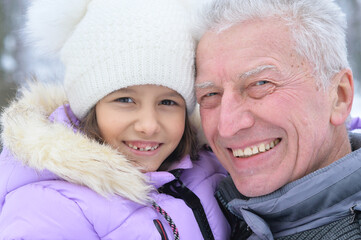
(147, 122)
(234, 115)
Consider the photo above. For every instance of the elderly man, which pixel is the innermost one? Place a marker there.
(275, 90)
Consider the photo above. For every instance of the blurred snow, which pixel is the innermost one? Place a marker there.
(8, 63)
(356, 107)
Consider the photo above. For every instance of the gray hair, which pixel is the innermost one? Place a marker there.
(318, 27)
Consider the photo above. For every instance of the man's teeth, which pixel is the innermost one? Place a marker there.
(250, 151)
(147, 148)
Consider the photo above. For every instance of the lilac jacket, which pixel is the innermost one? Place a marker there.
(57, 184)
(355, 123)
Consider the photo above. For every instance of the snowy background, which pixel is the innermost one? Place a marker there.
(18, 62)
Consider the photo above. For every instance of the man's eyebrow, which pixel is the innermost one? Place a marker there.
(256, 70)
(203, 85)
(245, 75)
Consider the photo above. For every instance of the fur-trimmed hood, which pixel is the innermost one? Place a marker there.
(42, 144)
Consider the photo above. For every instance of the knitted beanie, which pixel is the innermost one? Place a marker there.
(106, 45)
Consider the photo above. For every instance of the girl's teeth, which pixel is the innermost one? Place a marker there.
(147, 148)
(250, 151)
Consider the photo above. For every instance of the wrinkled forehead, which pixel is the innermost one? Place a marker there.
(242, 43)
(272, 32)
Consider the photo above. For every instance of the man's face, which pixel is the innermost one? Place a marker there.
(264, 116)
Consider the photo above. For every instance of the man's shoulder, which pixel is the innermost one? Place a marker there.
(355, 139)
(227, 191)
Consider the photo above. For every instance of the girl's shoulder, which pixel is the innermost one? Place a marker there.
(206, 171)
(355, 124)
(208, 163)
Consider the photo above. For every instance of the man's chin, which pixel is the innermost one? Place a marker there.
(254, 187)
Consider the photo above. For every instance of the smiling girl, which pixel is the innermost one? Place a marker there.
(144, 122)
(112, 153)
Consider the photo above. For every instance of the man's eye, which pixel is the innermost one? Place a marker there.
(211, 94)
(124, 100)
(261, 89)
(168, 102)
(263, 82)
(210, 100)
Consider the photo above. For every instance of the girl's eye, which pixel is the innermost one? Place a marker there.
(124, 100)
(168, 102)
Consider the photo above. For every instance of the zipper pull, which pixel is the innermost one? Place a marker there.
(353, 213)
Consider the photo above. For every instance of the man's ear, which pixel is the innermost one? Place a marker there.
(344, 91)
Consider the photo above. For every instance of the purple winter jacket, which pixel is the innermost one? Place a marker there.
(354, 124)
(57, 184)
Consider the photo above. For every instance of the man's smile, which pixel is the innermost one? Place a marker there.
(253, 150)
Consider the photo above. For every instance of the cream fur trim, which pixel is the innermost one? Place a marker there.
(40, 144)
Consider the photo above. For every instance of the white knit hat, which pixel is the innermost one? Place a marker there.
(106, 45)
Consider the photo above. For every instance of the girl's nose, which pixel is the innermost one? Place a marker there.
(147, 122)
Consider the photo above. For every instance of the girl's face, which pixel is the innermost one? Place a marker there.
(143, 122)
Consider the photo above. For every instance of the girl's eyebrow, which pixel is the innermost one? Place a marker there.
(171, 94)
(125, 90)
(166, 94)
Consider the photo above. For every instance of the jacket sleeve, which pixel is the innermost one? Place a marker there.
(37, 212)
